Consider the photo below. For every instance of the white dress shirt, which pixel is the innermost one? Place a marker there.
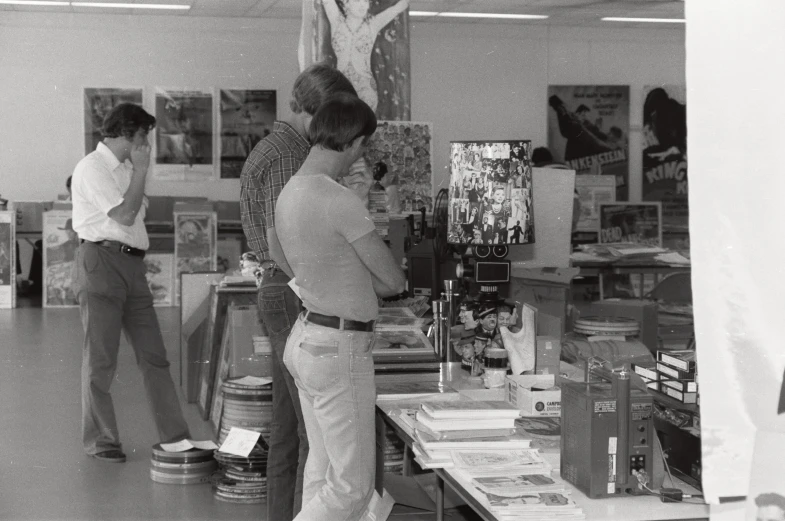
(98, 185)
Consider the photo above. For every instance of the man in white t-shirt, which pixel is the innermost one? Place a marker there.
(111, 286)
(342, 266)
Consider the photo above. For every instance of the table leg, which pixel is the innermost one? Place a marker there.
(439, 499)
(381, 436)
(602, 287)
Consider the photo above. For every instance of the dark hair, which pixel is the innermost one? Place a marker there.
(314, 85)
(770, 499)
(125, 119)
(541, 155)
(342, 119)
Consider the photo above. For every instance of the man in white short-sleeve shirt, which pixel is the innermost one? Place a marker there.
(342, 266)
(111, 286)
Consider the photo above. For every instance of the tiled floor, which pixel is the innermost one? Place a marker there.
(44, 473)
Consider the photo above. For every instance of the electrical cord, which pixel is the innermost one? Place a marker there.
(666, 495)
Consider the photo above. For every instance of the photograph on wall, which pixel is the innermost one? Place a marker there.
(637, 223)
(184, 135)
(665, 160)
(60, 245)
(404, 147)
(195, 245)
(490, 193)
(160, 277)
(593, 190)
(368, 41)
(588, 129)
(7, 260)
(246, 117)
(97, 104)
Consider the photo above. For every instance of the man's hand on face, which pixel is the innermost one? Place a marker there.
(140, 156)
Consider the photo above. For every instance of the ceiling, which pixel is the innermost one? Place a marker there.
(567, 12)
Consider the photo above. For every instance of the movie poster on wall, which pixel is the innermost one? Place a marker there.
(60, 245)
(97, 104)
(160, 277)
(592, 191)
(637, 223)
(7, 260)
(246, 117)
(665, 160)
(184, 135)
(195, 246)
(588, 129)
(490, 193)
(368, 41)
(405, 148)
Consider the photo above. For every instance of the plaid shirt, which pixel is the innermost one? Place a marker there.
(270, 165)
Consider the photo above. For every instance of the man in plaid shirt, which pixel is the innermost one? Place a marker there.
(270, 165)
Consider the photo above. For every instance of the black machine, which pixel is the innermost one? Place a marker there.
(608, 436)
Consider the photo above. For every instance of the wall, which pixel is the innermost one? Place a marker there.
(471, 80)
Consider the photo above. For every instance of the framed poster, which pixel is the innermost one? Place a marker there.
(405, 148)
(195, 244)
(60, 244)
(183, 135)
(491, 192)
(665, 160)
(160, 277)
(97, 104)
(593, 190)
(7, 259)
(588, 129)
(638, 223)
(245, 117)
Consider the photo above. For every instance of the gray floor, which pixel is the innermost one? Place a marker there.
(44, 473)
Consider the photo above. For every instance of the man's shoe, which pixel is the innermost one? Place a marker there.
(112, 456)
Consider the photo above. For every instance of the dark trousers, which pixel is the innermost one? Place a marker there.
(278, 309)
(113, 295)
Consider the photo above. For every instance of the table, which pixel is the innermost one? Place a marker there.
(632, 508)
(628, 267)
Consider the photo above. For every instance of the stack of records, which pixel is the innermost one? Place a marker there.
(182, 468)
(393, 453)
(606, 326)
(243, 480)
(261, 344)
(377, 207)
(247, 407)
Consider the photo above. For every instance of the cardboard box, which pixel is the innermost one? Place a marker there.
(534, 402)
(548, 354)
(644, 311)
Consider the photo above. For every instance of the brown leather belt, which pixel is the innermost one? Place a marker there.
(337, 322)
(119, 246)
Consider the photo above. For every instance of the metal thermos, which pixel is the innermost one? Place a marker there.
(452, 296)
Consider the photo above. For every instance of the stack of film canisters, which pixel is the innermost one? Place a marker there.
(182, 468)
(247, 407)
(243, 480)
(606, 326)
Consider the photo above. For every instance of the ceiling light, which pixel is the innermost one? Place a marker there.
(423, 13)
(493, 15)
(33, 2)
(130, 6)
(645, 20)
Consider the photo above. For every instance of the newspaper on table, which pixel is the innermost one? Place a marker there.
(513, 485)
(531, 502)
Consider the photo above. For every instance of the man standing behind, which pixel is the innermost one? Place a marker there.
(341, 266)
(271, 164)
(110, 283)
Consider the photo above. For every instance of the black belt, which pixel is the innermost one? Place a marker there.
(335, 322)
(119, 246)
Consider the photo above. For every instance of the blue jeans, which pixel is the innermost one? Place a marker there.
(334, 373)
(278, 309)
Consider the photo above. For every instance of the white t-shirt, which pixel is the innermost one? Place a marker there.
(98, 185)
(316, 220)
